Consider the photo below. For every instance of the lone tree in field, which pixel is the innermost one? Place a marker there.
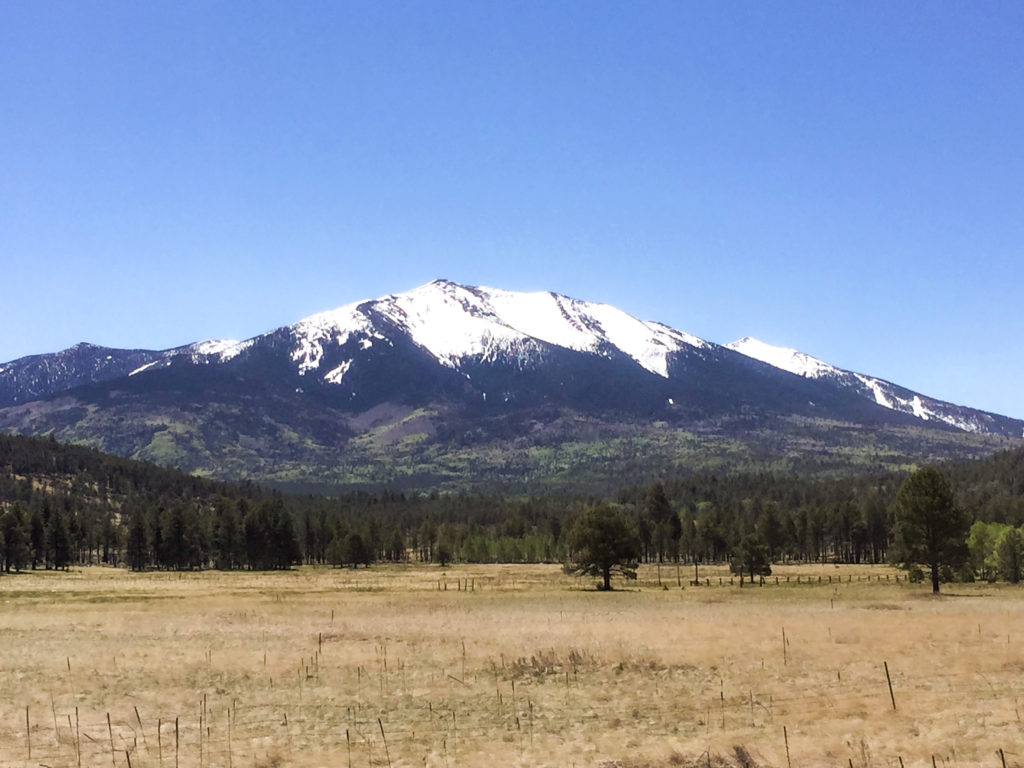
(751, 556)
(929, 529)
(603, 540)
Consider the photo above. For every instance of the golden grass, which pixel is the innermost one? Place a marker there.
(530, 668)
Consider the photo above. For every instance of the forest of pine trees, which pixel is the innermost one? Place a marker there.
(66, 505)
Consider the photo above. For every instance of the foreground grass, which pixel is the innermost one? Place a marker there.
(524, 667)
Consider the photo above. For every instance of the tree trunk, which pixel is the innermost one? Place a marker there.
(606, 574)
(935, 578)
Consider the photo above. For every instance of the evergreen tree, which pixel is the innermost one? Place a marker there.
(37, 538)
(770, 530)
(337, 551)
(58, 543)
(155, 526)
(356, 551)
(751, 557)
(337, 547)
(226, 534)
(110, 539)
(930, 529)
(876, 525)
(396, 548)
(602, 542)
(666, 528)
(284, 542)
(254, 530)
(426, 538)
(137, 543)
(15, 541)
(445, 551)
(182, 542)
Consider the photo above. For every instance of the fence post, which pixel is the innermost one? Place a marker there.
(889, 681)
(110, 730)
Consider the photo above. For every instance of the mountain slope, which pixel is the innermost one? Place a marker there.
(881, 392)
(40, 376)
(466, 386)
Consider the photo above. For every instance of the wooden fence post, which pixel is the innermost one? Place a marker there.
(110, 730)
(889, 681)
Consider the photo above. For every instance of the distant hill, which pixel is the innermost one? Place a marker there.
(28, 463)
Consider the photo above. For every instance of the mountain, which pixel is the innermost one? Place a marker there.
(463, 386)
(881, 392)
(39, 376)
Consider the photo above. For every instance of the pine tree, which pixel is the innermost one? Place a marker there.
(226, 534)
(183, 541)
(929, 528)
(155, 526)
(356, 551)
(57, 542)
(396, 549)
(603, 541)
(15, 541)
(137, 544)
(284, 541)
(426, 538)
(666, 529)
(751, 557)
(37, 537)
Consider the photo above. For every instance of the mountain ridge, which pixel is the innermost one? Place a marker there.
(458, 372)
(884, 393)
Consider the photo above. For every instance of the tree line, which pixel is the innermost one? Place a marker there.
(66, 505)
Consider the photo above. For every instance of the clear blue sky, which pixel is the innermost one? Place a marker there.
(845, 178)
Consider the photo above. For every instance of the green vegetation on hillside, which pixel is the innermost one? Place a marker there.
(62, 505)
(524, 453)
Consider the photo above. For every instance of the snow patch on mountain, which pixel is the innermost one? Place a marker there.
(335, 376)
(587, 327)
(877, 390)
(787, 359)
(883, 393)
(918, 409)
(221, 349)
(335, 326)
(200, 353)
(147, 366)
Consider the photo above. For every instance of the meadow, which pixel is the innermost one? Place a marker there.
(506, 666)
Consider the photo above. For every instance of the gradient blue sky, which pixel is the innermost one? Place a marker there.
(845, 178)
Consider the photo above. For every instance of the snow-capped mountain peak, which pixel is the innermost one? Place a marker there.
(455, 322)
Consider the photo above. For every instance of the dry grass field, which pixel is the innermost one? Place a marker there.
(522, 666)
